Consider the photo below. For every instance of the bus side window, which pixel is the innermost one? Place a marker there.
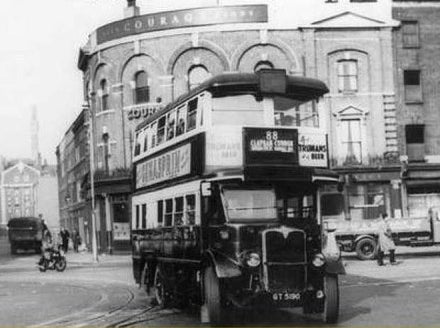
(190, 212)
(168, 212)
(160, 213)
(178, 213)
(192, 115)
(144, 216)
(136, 226)
(181, 120)
(161, 130)
(171, 122)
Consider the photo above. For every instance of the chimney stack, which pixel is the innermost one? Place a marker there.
(131, 10)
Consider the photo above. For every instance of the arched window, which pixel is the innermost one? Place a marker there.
(263, 65)
(104, 94)
(347, 75)
(196, 75)
(141, 90)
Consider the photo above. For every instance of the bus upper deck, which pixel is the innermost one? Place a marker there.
(234, 121)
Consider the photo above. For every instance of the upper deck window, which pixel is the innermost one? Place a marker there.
(171, 125)
(237, 110)
(161, 130)
(141, 91)
(181, 120)
(192, 114)
(153, 133)
(290, 112)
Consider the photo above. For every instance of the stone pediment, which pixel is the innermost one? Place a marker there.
(20, 173)
(350, 111)
(347, 19)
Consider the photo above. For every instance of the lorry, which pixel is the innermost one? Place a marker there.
(360, 236)
(25, 233)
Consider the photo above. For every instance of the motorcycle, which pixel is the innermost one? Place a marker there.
(52, 259)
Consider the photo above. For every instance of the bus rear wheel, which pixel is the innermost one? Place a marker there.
(331, 304)
(161, 292)
(213, 297)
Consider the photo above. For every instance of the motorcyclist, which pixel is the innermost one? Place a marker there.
(47, 248)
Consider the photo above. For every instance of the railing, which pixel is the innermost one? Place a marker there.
(115, 174)
(391, 158)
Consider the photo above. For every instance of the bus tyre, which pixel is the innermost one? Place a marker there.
(13, 249)
(213, 301)
(366, 249)
(161, 293)
(331, 303)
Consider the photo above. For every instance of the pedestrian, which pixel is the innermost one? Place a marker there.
(64, 234)
(386, 243)
(76, 238)
(47, 241)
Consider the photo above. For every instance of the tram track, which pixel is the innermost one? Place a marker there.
(114, 305)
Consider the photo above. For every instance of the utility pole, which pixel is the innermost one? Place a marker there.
(86, 107)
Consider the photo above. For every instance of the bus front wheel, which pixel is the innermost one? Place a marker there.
(161, 292)
(331, 303)
(213, 299)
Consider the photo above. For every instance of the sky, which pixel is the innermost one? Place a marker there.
(40, 40)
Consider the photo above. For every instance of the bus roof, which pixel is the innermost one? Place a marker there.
(296, 87)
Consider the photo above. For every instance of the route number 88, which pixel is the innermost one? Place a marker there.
(271, 135)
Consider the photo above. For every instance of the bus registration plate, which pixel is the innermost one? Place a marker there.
(283, 297)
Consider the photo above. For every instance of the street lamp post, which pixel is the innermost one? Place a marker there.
(86, 107)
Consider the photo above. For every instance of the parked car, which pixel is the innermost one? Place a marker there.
(25, 233)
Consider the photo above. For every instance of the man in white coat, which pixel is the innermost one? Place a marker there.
(386, 243)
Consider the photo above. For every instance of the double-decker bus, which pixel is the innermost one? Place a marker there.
(226, 206)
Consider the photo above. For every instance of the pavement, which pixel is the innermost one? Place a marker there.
(412, 262)
(86, 258)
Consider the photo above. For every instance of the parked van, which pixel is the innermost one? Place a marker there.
(25, 233)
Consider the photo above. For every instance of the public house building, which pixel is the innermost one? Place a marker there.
(137, 65)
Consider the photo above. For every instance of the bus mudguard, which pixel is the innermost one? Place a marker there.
(224, 266)
(335, 267)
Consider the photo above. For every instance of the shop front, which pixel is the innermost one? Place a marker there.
(368, 193)
(422, 189)
(112, 213)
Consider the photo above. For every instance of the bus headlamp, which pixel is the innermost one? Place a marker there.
(318, 260)
(252, 259)
(224, 234)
